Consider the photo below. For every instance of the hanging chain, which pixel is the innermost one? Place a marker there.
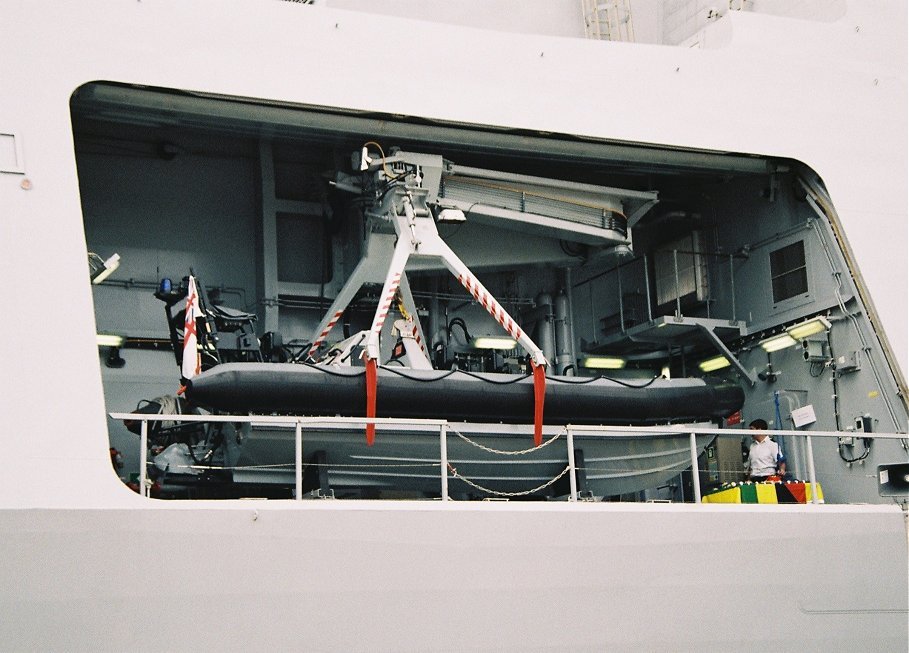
(508, 453)
(454, 472)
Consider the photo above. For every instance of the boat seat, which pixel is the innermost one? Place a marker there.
(231, 319)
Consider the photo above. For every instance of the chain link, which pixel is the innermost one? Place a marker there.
(454, 472)
(508, 453)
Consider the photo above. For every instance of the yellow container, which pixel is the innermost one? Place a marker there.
(809, 494)
(732, 495)
(766, 493)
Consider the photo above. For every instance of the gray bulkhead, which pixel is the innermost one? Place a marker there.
(737, 248)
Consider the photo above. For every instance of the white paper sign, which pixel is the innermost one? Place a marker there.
(803, 416)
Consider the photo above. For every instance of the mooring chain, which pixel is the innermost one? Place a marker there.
(509, 453)
(454, 472)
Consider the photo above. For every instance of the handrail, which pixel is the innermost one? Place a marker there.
(573, 432)
(685, 428)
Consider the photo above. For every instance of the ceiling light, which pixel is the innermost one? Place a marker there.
(809, 328)
(493, 342)
(715, 363)
(776, 343)
(109, 340)
(101, 269)
(603, 363)
(451, 216)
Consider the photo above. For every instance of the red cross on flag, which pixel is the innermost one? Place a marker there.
(191, 360)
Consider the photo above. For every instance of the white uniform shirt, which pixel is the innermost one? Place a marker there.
(764, 457)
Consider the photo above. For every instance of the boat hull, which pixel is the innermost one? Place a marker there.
(460, 396)
(408, 459)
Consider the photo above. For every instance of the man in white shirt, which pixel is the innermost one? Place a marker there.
(764, 457)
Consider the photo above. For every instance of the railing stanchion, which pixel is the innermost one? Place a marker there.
(298, 460)
(443, 451)
(812, 478)
(695, 475)
(143, 458)
(572, 475)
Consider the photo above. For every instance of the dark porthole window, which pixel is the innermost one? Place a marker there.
(788, 272)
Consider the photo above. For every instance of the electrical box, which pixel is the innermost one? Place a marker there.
(851, 362)
(814, 350)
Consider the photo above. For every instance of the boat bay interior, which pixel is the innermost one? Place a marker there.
(660, 291)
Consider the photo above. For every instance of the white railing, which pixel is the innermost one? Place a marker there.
(443, 426)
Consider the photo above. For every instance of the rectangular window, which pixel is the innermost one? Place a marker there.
(788, 272)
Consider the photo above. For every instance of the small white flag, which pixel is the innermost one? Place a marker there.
(191, 359)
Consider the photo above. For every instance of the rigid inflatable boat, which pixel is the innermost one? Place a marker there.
(460, 395)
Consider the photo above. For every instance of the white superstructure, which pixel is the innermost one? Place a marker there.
(88, 564)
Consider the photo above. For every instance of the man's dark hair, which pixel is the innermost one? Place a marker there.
(759, 424)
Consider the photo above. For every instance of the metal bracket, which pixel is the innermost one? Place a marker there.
(728, 354)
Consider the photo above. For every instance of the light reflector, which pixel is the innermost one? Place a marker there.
(109, 340)
(105, 269)
(809, 328)
(603, 362)
(493, 342)
(777, 343)
(715, 363)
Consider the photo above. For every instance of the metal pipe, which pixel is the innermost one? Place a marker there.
(732, 285)
(593, 320)
(678, 298)
(618, 274)
(143, 457)
(647, 288)
(562, 332)
(572, 345)
(298, 460)
(443, 458)
(695, 475)
(572, 477)
(812, 478)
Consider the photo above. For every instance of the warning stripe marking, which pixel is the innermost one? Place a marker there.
(326, 331)
(491, 305)
(386, 306)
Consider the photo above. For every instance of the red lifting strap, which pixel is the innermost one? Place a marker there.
(539, 393)
(371, 371)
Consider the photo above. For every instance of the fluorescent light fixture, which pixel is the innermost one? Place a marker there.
(101, 269)
(109, 340)
(603, 362)
(809, 328)
(493, 342)
(715, 363)
(776, 343)
(455, 216)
